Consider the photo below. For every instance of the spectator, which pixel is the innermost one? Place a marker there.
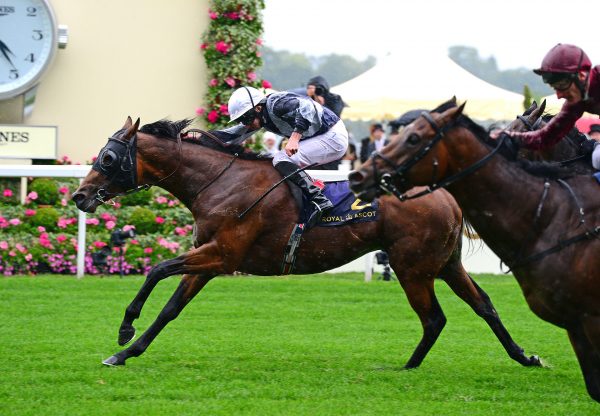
(270, 143)
(594, 132)
(404, 120)
(374, 142)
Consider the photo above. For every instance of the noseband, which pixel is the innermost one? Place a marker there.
(117, 161)
(400, 172)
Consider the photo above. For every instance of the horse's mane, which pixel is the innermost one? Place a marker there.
(171, 129)
(509, 151)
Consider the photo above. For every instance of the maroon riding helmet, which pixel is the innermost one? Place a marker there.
(563, 63)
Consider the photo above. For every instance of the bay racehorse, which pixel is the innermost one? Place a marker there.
(216, 184)
(542, 220)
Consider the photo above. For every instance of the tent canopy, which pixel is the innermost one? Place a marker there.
(423, 79)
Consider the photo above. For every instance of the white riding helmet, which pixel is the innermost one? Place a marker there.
(242, 100)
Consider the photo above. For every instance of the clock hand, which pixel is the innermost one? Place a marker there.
(5, 51)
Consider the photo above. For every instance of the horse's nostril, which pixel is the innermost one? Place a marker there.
(77, 196)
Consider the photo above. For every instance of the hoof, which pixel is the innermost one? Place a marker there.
(126, 335)
(534, 361)
(113, 361)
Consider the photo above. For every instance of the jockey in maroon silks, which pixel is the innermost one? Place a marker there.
(568, 70)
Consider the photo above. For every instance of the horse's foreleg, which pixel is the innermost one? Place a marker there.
(422, 298)
(586, 343)
(465, 287)
(132, 312)
(188, 288)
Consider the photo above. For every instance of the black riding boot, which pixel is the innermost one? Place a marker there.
(312, 192)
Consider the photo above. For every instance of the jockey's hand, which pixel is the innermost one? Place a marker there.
(291, 148)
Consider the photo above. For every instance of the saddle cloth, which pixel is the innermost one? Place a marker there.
(347, 209)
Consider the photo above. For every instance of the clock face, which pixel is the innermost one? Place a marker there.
(27, 44)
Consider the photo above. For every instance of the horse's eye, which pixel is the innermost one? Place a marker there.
(107, 159)
(413, 139)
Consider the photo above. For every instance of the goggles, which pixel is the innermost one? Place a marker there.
(559, 82)
(248, 117)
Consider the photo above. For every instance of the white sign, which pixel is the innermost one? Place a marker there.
(28, 142)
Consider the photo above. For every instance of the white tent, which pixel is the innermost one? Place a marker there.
(423, 79)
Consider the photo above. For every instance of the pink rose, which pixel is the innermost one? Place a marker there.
(41, 229)
(63, 190)
(148, 250)
(160, 220)
(21, 248)
(200, 111)
(7, 193)
(60, 238)
(213, 116)
(222, 47)
(230, 81)
(128, 227)
(233, 15)
(259, 41)
(251, 76)
(203, 46)
(3, 245)
(32, 195)
(99, 244)
(14, 221)
(161, 200)
(29, 212)
(110, 225)
(223, 109)
(213, 15)
(28, 257)
(213, 82)
(92, 221)
(266, 84)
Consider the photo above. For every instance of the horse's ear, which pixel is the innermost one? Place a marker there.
(453, 113)
(543, 106)
(453, 99)
(132, 130)
(128, 123)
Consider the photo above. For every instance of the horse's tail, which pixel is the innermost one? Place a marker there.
(469, 232)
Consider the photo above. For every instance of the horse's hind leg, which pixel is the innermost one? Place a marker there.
(132, 312)
(465, 287)
(188, 288)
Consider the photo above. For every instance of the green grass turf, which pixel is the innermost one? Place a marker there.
(311, 345)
